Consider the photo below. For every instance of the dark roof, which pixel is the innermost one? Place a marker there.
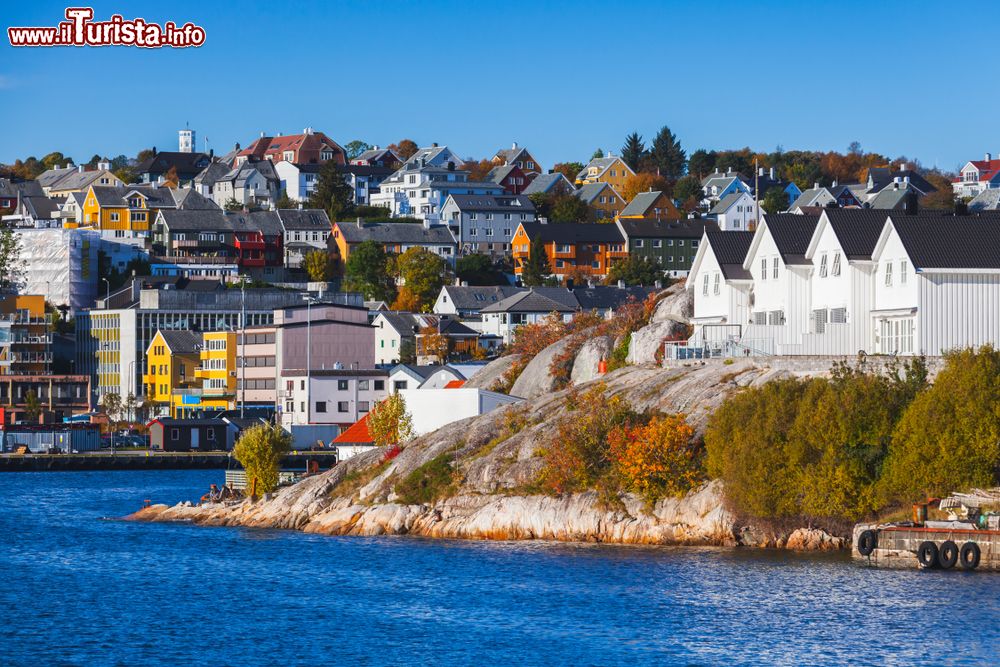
(170, 421)
(368, 170)
(607, 297)
(504, 203)
(190, 164)
(181, 341)
(468, 297)
(949, 241)
(857, 229)
(573, 232)
(40, 208)
(11, 189)
(452, 327)
(730, 249)
(792, 233)
(685, 229)
(396, 232)
(211, 220)
(267, 222)
(308, 219)
(642, 202)
(531, 301)
(407, 324)
(429, 369)
(545, 183)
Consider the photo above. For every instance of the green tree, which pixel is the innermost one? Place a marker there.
(666, 155)
(598, 153)
(56, 159)
(422, 273)
(318, 265)
(687, 187)
(332, 194)
(389, 423)
(112, 404)
(356, 148)
(633, 150)
(232, 205)
(130, 406)
(701, 163)
(284, 201)
(32, 406)
(259, 450)
(949, 438)
(12, 266)
(537, 268)
(636, 270)
(477, 269)
(567, 207)
(568, 169)
(775, 201)
(367, 271)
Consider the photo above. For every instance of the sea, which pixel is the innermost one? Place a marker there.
(82, 587)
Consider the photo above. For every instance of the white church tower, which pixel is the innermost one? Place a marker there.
(186, 140)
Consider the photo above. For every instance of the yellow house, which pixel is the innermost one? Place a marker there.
(602, 199)
(171, 362)
(652, 205)
(124, 209)
(62, 182)
(611, 170)
(217, 373)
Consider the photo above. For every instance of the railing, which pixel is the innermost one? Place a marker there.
(718, 349)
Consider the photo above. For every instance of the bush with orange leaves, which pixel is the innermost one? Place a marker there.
(656, 459)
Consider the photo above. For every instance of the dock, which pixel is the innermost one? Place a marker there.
(148, 460)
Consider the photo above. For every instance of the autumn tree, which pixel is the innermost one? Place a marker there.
(434, 344)
(422, 274)
(259, 450)
(478, 170)
(405, 149)
(643, 182)
(170, 179)
(333, 194)
(389, 424)
(318, 265)
(568, 169)
(367, 271)
(666, 156)
(112, 404)
(407, 301)
(284, 201)
(537, 268)
(356, 148)
(633, 151)
(32, 406)
(687, 187)
(656, 459)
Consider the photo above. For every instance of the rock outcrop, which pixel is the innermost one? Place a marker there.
(536, 379)
(492, 373)
(587, 363)
(496, 460)
(647, 342)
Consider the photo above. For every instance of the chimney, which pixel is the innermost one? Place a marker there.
(906, 179)
(816, 185)
(211, 152)
(434, 145)
(835, 182)
(988, 157)
(760, 171)
(262, 134)
(658, 284)
(897, 179)
(771, 173)
(80, 168)
(513, 146)
(621, 284)
(569, 284)
(376, 148)
(307, 130)
(717, 170)
(361, 223)
(154, 150)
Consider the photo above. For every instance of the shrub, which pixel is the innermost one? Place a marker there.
(260, 450)
(576, 455)
(431, 481)
(656, 459)
(389, 423)
(949, 438)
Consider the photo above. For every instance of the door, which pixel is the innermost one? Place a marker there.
(194, 438)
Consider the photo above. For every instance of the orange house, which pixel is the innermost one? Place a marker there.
(572, 248)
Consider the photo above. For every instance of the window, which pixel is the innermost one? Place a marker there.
(210, 434)
(763, 269)
(836, 264)
(320, 406)
(838, 316)
(595, 265)
(902, 271)
(379, 385)
(822, 266)
(363, 406)
(399, 384)
(820, 318)
(362, 385)
(638, 243)
(888, 274)
(342, 385)
(776, 317)
(774, 271)
(718, 284)
(343, 406)
(704, 286)
(658, 243)
(114, 217)
(760, 318)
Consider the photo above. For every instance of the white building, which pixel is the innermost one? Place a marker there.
(419, 190)
(529, 307)
(721, 286)
(297, 180)
(977, 176)
(736, 212)
(433, 408)
(329, 397)
(393, 329)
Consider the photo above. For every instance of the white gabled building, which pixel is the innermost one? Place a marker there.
(736, 211)
(720, 286)
(936, 284)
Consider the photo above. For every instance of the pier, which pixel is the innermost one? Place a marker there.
(148, 460)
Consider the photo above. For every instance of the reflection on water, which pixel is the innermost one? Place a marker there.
(86, 591)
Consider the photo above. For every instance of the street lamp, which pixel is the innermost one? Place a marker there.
(310, 300)
(107, 293)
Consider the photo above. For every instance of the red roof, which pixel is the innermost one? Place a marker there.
(356, 433)
(306, 147)
(988, 167)
(454, 384)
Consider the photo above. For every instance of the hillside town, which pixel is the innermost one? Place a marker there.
(178, 297)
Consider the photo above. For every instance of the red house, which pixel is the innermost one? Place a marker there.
(511, 177)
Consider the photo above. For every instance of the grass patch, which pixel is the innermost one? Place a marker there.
(432, 481)
(619, 355)
(354, 480)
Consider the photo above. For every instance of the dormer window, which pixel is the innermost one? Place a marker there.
(288, 156)
(326, 155)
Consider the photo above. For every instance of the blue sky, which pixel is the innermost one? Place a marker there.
(561, 78)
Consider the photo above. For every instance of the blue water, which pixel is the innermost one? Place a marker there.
(82, 590)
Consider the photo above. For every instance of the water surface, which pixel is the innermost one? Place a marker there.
(82, 590)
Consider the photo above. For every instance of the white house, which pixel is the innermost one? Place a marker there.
(936, 284)
(419, 189)
(251, 183)
(720, 286)
(977, 176)
(736, 211)
(297, 180)
(529, 307)
(392, 329)
(433, 408)
(430, 376)
(330, 396)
